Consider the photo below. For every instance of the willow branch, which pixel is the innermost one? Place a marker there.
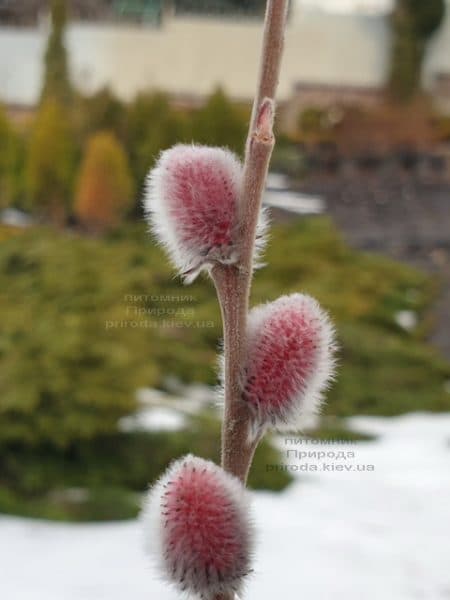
(233, 282)
(271, 55)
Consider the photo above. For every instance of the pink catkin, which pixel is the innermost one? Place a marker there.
(289, 361)
(199, 527)
(192, 203)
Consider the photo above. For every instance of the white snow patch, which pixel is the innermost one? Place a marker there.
(279, 195)
(378, 535)
(153, 419)
(188, 399)
(407, 319)
(301, 204)
(15, 218)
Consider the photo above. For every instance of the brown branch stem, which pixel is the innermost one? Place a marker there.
(233, 282)
(237, 452)
(271, 54)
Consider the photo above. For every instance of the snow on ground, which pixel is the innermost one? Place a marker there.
(279, 195)
(342, 535)
(162, 411)
(153, 419)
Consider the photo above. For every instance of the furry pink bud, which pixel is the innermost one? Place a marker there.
(290, 347)
(192, 203)
(198, 527)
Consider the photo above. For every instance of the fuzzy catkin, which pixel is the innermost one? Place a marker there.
(197, 526)
(192, 203)
(289, 361)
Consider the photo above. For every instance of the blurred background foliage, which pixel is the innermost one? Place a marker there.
(50, 163)
(48, 154)
(413, 23)
(56, 76)
(74, 348)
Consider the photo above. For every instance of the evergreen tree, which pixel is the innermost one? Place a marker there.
(9, 146)
(413, 22)
(101, 111)
(50, 162)
(426, 16)
(152, 126)
(219, 123)
(105, 186)
(56, 78)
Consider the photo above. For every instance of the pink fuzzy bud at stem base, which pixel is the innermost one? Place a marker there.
(198, 528)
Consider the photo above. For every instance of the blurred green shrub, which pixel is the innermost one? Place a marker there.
(101, 111)
(10, 158)
(139, 458)
(102, 478)
(88, 321)
(152, 125)
(85, 322)
(220, 123)
(50, 166)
